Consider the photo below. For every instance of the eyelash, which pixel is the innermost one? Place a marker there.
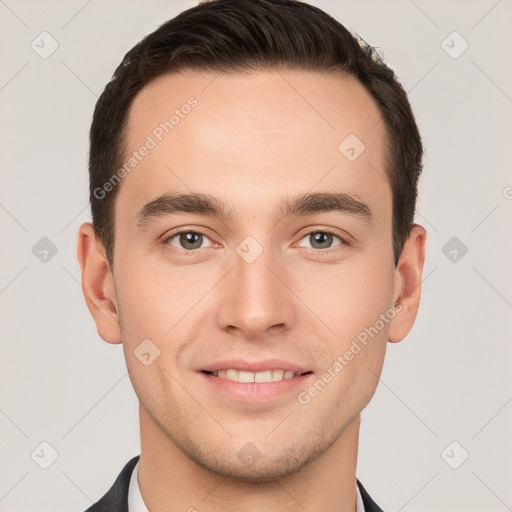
(167, 239)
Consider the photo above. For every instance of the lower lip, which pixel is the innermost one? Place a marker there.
(257, 391)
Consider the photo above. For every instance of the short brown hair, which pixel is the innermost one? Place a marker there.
(237, 36)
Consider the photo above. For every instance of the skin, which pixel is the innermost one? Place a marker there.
(250, 140)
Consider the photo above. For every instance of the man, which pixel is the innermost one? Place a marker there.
(253, 179)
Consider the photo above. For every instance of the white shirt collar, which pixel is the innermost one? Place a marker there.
(136, 503)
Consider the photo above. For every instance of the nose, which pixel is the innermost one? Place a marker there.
(255, 301)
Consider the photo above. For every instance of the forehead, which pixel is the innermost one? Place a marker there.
(248, 138)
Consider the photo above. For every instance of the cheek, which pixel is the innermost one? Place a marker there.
(350, 301)
(347, 299)
(158, 310)
(148, 300)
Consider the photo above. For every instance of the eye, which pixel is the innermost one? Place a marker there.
(322, 239)
(187, 240)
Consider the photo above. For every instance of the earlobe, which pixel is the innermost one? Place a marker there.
(98, 284)
(408, 276)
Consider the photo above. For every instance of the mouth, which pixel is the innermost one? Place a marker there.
(256, 382)
(271, 375)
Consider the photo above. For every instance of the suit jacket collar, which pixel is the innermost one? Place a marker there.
(116, 498)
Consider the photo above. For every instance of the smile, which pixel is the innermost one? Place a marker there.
(262, 376)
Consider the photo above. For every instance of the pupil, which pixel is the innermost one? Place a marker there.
(324, 239)
(188, 239)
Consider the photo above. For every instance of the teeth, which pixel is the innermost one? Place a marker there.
(232, 375)
(264, 376)
(245, 376)
(277, 375)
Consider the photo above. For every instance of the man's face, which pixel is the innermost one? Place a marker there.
(254, 289)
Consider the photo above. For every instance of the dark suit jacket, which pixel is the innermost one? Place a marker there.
(116, 498)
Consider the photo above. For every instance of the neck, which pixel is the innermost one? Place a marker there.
(170, 480)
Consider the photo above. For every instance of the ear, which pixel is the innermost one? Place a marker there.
(407, 292)
(98, 284)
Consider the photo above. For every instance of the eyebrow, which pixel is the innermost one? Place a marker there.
(299, 205)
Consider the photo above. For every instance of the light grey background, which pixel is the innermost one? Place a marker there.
(448, 381)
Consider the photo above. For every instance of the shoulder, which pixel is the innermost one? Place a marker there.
(116, 498)
(369, 504)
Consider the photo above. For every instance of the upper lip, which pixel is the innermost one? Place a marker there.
(255, 366)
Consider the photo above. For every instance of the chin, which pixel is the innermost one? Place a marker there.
(261, 471)
(251, 464)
